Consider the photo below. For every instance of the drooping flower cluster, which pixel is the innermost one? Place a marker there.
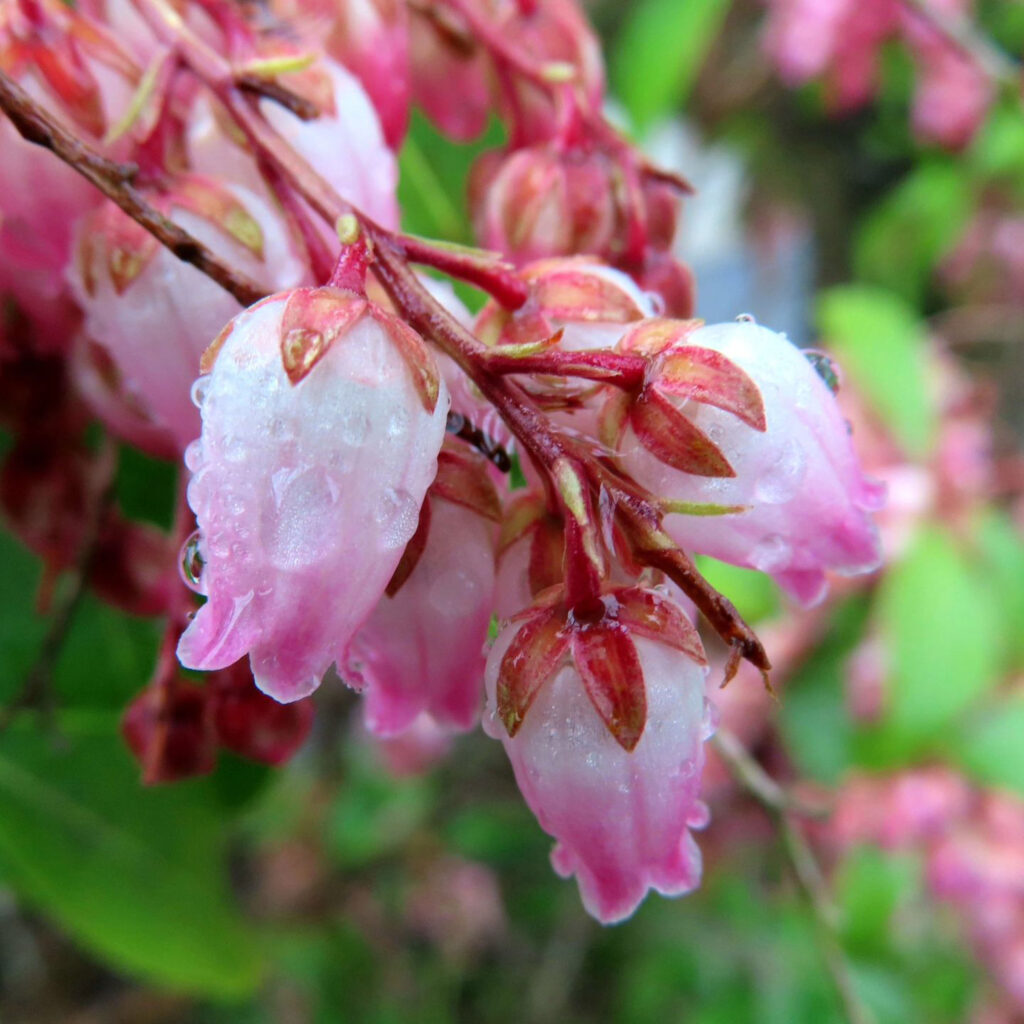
(345, 436)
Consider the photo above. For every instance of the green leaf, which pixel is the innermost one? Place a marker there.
(814, 717)
(660, 52)
(1002, 559)
(375, 814)
(21, 629)
(870, 887)
(902, 240)
(136, 875)
(990, 746)
(433, 171)
(755, 594)
(940, 629)
(882, 346)
(146, 487)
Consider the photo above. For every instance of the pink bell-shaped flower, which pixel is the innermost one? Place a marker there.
(604, 722)
(322, 419)
(154, 314)
(781, 480)
(344, 145)
(422, 649)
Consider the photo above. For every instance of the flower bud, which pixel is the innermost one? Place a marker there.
(544, 201)
(344, 145)
(793, 498)
(619, 802)
(421, 650)
(322, 420)
(370, 38)
(451, 76)
(253, 725)
(153, 313)
(169, 730)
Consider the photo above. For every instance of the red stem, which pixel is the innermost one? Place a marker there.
(620, 369)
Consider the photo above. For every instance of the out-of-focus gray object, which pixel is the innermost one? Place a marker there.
(765, 270)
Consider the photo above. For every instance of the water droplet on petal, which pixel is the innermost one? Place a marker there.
(191, 562)
(746, 318)
(301, 348)
(397, 514)
(781, 480)
(825, 368)
(355, 426)
(771, 554)
(657, 302)
(200, 389)
(194, 456)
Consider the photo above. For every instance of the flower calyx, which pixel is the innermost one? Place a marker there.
(315, 319)
(599, 641)
(679, 373)
(462, 479)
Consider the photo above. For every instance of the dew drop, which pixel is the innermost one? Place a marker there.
(657, 302)
(781, 480)
(300, 349)
(355, 426)
(746, 318)
(708, 720)
(397, 514)
(191, 562)
(200, 389)
(194, 456)
(825, 368)
(301, 528)
(771, 554)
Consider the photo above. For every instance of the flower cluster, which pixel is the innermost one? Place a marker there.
(970, 842)
(841, 40)
(346, 424)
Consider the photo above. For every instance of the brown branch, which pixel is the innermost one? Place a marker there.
(806, 870)
(116, 181)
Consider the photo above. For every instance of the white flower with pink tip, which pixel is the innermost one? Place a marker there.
(322, 420)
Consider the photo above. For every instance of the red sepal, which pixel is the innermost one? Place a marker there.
(655, 617)
(611, 673)
(417, 356)
(520, 515)
(125, 247)
(667, 434)
(709, 377)
(413, 552)
(656, 334)
(547, 555)
(313, 319)
(611, 420)
(214, 202)
(574, 294)
(530, 661)
(70, 80)
(462, 478)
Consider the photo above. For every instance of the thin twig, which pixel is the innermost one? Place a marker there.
(780, 805)
(116, 181)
